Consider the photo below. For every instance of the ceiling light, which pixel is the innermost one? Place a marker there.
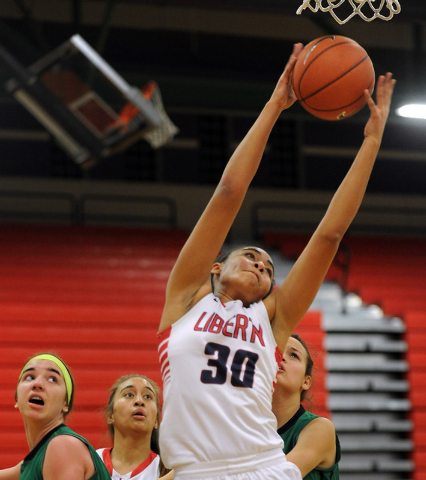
(412, 110)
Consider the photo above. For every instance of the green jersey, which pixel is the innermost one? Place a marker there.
(32, 467)
(290, 432)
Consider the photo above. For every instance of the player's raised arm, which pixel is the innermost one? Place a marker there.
(194, 263)
(289, 303)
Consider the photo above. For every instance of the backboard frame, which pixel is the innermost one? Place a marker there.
(66, 121)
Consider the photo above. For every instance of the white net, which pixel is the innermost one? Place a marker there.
(368, 10)
(158, 136)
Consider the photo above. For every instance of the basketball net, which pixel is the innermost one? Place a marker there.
(331, 5)
(130, 114)
(158, 136)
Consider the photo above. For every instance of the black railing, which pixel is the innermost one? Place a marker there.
(39, 206)
(371, 219)
(50, 207)
(156, 210)
(297, 221)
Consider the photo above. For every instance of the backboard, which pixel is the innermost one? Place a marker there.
(84, 103)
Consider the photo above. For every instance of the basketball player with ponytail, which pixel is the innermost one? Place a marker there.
(219, 349)
(310, 441)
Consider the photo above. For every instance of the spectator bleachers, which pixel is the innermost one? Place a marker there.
(375, 354)
(94, 296)
(391, 272)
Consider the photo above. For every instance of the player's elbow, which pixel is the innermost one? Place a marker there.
(232, 188)
(332, 237)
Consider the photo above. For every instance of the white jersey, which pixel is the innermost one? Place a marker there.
(219, 364)
(147, 470)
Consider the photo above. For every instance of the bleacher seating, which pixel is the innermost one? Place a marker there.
(415, 337)
(375, 353)
(94, 296)
(392, 273)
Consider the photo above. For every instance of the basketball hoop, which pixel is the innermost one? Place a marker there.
(158, 136)
(392, 6)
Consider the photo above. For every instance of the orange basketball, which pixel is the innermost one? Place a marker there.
(330, 76)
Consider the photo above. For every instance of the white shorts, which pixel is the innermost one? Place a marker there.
(269, 465)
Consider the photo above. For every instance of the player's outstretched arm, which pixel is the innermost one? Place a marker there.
(289, 303)
(11, 473)
(195, 261)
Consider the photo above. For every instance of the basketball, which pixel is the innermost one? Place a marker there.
(330, 76)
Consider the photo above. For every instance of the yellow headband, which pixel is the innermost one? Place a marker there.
(61, 366)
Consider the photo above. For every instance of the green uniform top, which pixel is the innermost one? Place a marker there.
(32, 466)
(290, 432)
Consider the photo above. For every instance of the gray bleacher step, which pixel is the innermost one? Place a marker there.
(372, 461)
(372, 476)
(332, 299)
(358, 382)
(377, 442)
(363, 362)
(397, 465)
(368, 402)
(357, 463)
(371, 422)
(362, 321)
(360, 467)
(372, 342)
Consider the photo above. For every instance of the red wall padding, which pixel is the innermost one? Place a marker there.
(94, 296)
(311, 331)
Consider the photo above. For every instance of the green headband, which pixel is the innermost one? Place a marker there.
(61, 366)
